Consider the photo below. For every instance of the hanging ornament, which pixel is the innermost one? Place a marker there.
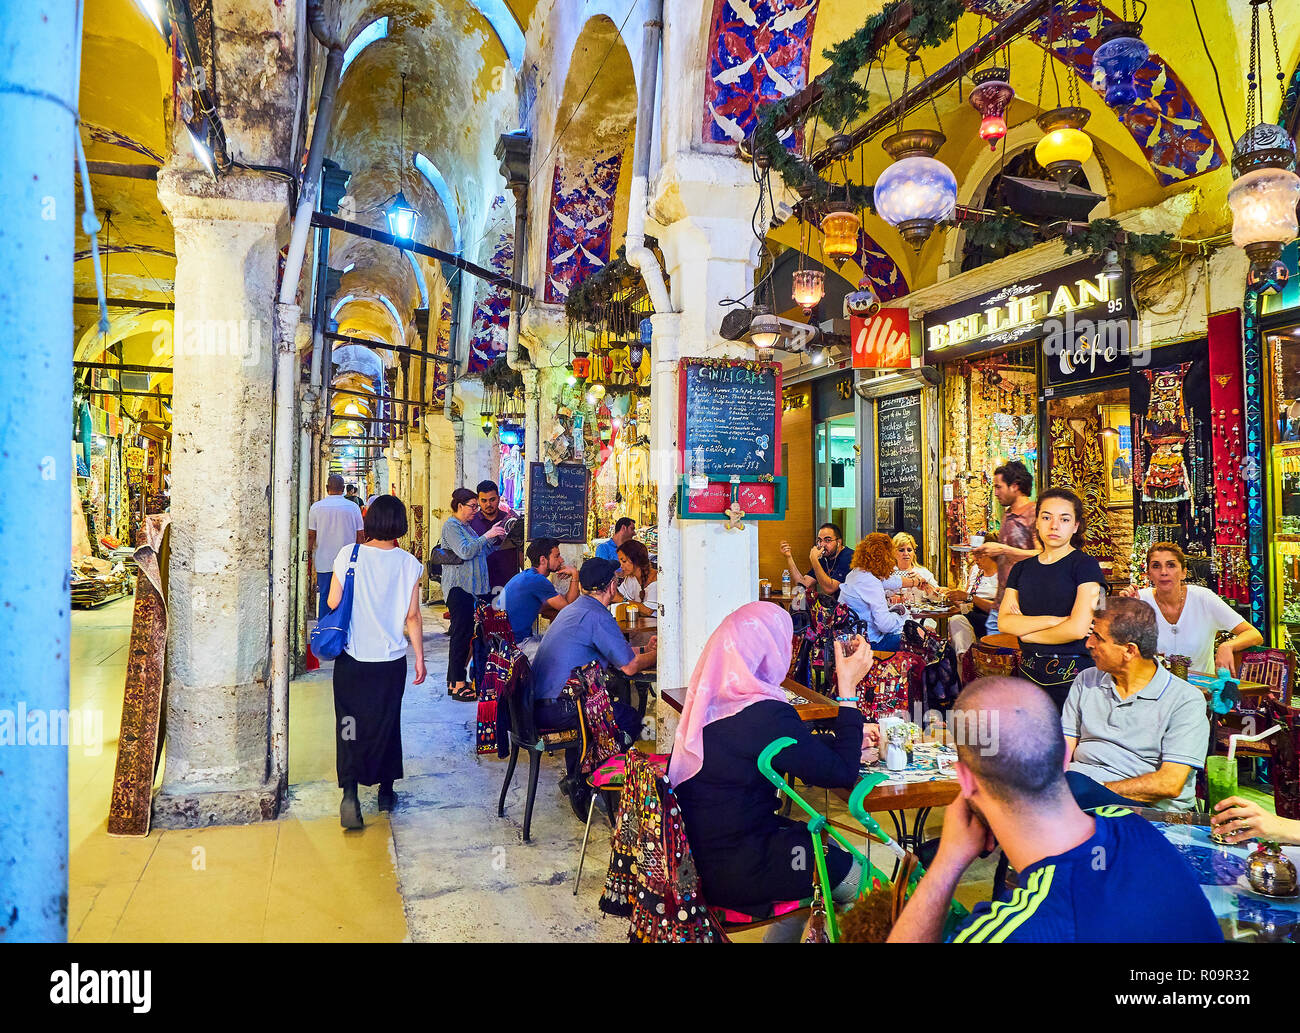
(917, 191)
(863, 301)
(840, 226)
(764, 328)
(990, 97)
(1120, 53)
(1264, 194)
(598, 390)
(1065, 147)
(809, 288)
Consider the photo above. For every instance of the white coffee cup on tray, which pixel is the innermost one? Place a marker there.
(976, 540)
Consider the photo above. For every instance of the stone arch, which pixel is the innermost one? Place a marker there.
(588, 187)
(979, 173)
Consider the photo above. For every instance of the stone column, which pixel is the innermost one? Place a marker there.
(704, 204)
(227, 239)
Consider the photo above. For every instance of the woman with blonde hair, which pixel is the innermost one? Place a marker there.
(1188, 617)
(864, 590)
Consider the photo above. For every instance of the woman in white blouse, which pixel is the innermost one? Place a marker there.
(915, 578)
(863, 591)
(640, 585)
(370, 673)
(1189, 617)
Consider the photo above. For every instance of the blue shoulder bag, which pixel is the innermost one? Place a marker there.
(331, 632)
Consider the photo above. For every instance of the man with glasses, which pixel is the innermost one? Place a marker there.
(830, 561)
(1133, 732)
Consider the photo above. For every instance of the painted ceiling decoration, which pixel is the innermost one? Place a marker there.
(581, 220)
(887, 279)
(1164, 121)
(442, 349)
(491, 317)
(102, 134)
(758, 53)
(124, 249)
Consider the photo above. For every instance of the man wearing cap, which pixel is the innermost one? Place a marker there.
(584, 631)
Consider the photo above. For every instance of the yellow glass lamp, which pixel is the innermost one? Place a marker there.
(840, 226)
(1065, 146)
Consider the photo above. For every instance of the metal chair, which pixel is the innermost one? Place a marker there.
(525, 735)
(1274, 668)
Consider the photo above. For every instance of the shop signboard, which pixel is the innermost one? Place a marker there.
(730, 440)
(882, 341)
(1082, 314)
(558, 510)
(899, 458)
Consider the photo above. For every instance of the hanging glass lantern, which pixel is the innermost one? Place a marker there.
(809, 288)
(1263, 200)
(990, 97)
(863, 301)
(635, 353)
(764, 328)
(598, 390)
(581, 367)
(647, 329)
(402, 217)
(1065, 147)
(917, 191)
(1120, 53)
(840, 225)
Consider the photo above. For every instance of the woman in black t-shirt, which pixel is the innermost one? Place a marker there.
(1051, 598)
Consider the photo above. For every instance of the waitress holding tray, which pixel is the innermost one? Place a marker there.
(1051, 597)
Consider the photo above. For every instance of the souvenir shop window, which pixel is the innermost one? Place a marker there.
(991, 417)
(1183, 467)
(1090, 448)
(1284, 350)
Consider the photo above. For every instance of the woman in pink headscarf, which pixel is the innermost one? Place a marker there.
(747, 855)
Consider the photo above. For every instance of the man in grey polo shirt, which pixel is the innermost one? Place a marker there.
(1133, 732)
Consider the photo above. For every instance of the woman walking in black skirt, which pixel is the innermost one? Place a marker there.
(370, 673)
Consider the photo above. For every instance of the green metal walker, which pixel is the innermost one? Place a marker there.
(818, 824)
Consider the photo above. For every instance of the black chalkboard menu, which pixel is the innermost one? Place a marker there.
(898, 449)
(731, 419)
(558, 511)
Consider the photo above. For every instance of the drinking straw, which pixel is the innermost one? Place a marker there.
(1233, 739)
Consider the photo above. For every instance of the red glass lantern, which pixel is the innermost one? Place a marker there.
(990, 97)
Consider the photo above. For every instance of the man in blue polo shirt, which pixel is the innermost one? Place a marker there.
(584, 631)
(1106, 876)
(624, 531)
(530, 590)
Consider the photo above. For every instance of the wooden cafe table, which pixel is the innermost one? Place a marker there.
(920, 797)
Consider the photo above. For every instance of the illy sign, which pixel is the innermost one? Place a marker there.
(882, 341)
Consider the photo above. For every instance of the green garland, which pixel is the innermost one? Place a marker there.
(844, 99)
(501, 377)
(1000, 235)
(1104, 235)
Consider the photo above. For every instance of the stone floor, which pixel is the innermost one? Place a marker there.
(444, 867)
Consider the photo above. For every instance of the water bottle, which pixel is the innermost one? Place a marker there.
(785, 584)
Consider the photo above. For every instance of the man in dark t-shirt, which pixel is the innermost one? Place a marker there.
(831, 562)
(1101, 876)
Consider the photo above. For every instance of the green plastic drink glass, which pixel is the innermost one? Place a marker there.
(1221, 777)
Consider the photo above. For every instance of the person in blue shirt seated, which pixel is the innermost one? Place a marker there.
(1106, 876)
(624, 531)
(865, 587)
(584, 631)
(530, 591)
(830, 562)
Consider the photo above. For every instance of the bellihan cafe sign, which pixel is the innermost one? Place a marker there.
(1082, 314)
